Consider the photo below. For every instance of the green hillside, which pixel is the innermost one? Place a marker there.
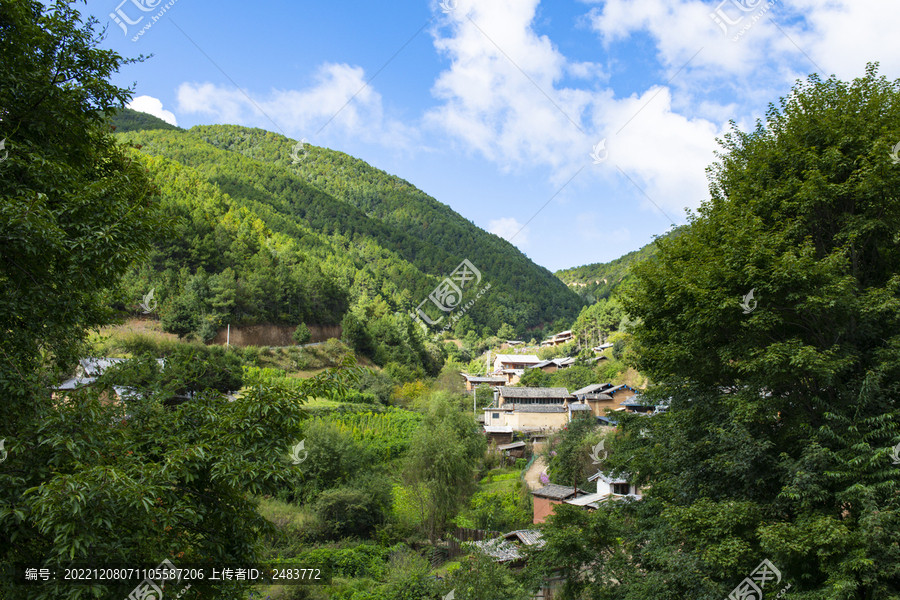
(133, 120)
(597, 281)
(254, 224)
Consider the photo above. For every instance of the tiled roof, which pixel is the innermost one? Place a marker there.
(613, 390)
(499, 549)
(529, 537)
(602, 396)
(555, 492)
(479, 379)
(530, 392)
(577, 406)
(540, 408)
(608, 478)
(590, 389)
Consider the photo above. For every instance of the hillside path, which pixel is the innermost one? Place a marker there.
(534, 472)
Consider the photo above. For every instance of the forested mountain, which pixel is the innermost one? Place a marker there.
(133, 120)
(375, 244)
(598, 280)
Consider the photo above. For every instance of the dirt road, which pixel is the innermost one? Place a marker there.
(534, 472)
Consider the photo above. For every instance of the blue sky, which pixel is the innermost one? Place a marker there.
(495, 107)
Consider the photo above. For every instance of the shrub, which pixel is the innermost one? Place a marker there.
(302, 334)
(348, 512)
(251, 354)
(357, 397)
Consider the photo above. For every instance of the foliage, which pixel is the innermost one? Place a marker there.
(377, 383)
(573, 378)
(302, 335)
(408, 577)
(481, 578)
(127, 119)
(225, 265)
(359, 560)
(502, 510)
(604, 281)
(388, 240)
(385, 435)
(597, 321)
(535, 378)
(334, 459)
(356, 509)
(568, 453)
(440, 463)
(781, 418)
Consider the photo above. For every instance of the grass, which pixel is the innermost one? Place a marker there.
(283, 514)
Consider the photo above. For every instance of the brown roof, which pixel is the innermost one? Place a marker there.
(555, 492)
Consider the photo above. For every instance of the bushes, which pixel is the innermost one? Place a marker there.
(302, 334)
(355, 510)
(357, 397)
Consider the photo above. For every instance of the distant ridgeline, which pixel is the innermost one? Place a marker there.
(132, 120)
(597, 281)
(262, 239)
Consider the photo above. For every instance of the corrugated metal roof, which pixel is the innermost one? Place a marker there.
(75, 382)
(529, 537)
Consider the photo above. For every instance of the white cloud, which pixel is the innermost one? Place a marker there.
(339, 102)
(152, 106)
(491, 108)
(510, 230)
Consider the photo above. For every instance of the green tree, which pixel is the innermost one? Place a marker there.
(114, 483)
(441, 463)
(535, 378)
(356, 336)
(573, 378)
(569, 453)
(782, 407)
(506, 332)
(480, 577)
(302, 335)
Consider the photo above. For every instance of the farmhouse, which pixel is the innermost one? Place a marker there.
(533, 409)
(560, 338)
(608, 488)
(514, 361)
(553, 365)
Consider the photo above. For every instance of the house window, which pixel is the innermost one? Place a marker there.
(496, 415)
(620, 489)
